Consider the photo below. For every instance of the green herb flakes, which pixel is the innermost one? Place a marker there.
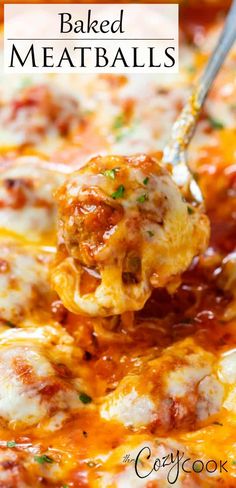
(143, 198)
(119, 122)
(111, 173)
(215, 123)
(43, 459)
(84, 398)
(11, 444)
(118, 193)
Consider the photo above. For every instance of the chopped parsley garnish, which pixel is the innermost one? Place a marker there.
(122, 128)
(119, 122)
(233, 463)
(190, 210)
(11, 444)
(111, 173)
(43, 459)
(119, 137)
(143, 198)
(150, 233)
(146, 180)
(84, 398)
(65, 486)
(119, 192)
(215, 123)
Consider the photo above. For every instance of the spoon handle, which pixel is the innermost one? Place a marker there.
(184, 126)
(225, 42)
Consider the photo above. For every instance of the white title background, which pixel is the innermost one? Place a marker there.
(146, 26)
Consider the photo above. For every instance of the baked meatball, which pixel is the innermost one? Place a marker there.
(124, 229)
(36, 112)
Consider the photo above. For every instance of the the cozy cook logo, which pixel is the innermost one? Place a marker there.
(98, 38)
(171, 466)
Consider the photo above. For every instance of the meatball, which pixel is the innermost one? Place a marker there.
(36, 381)
(36, 112)
(27, 207)
(24, 287)
(178, 388)
(124, 228)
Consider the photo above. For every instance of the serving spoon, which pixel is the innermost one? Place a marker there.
(184, 127)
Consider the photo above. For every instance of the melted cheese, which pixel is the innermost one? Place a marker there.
(27, 207)
(23, 281)
(164, 395)
(36, 112)
(33, 388)
(164, 376)
(141, 234)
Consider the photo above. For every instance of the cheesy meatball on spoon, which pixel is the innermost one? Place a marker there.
(124, 228)
(126, 224)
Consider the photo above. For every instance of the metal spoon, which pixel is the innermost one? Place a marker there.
(184, 127)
